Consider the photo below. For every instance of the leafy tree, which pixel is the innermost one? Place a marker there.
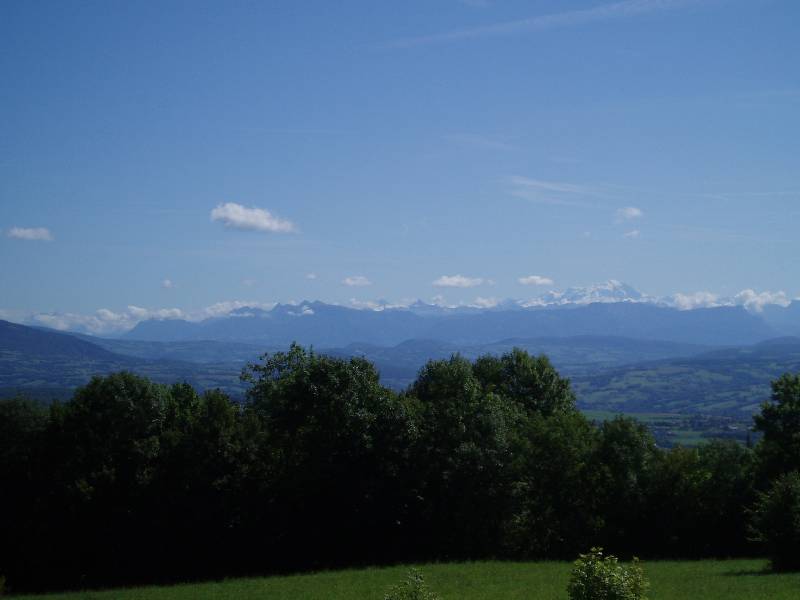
(621, 461)
(725, 490)
(532, 381)
(104, 448)
(334, 441)
(776, 522)
(23, 483)
(553, 498)
(196, 492)
(464, 453)
(779, 421)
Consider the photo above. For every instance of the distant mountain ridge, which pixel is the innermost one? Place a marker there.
(326, 325)
(774, 309)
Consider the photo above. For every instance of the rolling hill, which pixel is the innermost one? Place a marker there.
(732, 381)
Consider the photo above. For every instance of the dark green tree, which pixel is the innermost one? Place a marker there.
(531, 381)
(779, 421)
(776, 522)
(334, 442)
(621, 461)
(553, 497)
(24, 484)
(464, 456)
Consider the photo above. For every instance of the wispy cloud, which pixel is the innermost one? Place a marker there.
(237, 216)
(168, 284)
(106, 321)
(629, 213)
(459, 281)
(31, 234)
(356, 281)
(633, 235)
(572, 18)
(473, 140)
(550, 192)
(535, 280)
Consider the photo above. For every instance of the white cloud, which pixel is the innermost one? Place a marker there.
(167, 284)
(692, 301)
(103, 321)
(237, 216)
(550, 186)
(604, 12)
(634, 234)
(755, 301)
(535, 280)
(557, 193)
(220, 309)
(311, 276)
(142, 314)
(749, 299)
(305, 311)
(356, 281)
(458, 281)
(629, 213)
(41, 234)
(485, 302)
(364, 304)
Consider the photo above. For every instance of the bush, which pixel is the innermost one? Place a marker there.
(413, 588)
(776, 522)
(598, 577)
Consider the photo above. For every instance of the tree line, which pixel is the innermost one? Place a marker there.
(323, 467)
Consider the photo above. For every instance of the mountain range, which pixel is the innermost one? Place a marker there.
(623, 350)
(326, 325)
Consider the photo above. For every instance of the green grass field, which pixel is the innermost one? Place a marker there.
(711, 580)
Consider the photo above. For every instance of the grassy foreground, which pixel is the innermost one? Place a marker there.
(707, 580)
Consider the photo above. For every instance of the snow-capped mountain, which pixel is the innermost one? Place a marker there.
(609, 291)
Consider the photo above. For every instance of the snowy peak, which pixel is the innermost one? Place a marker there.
(609, 291)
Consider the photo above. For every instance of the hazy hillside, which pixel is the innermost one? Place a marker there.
(20, 340)
(197, 351)
(783, 319)
(572, 356)
(732, 381)
(50, 365)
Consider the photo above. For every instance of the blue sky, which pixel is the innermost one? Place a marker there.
(393, 144)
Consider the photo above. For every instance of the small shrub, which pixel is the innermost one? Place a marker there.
(2, 585)
(598, 577)
(776, 522)
(413, 588)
